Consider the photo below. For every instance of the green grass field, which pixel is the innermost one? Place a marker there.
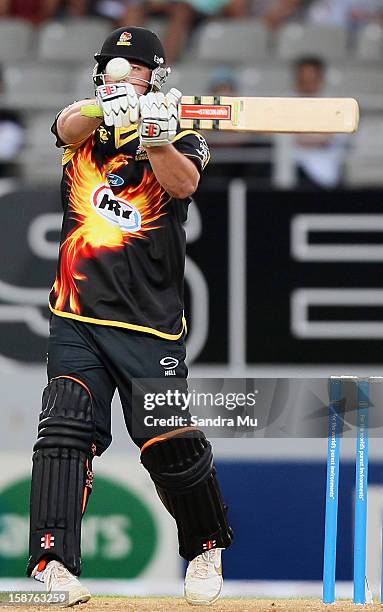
(166, 604)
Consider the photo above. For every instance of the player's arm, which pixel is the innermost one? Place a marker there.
(118, 104)
(72, 126)
(176, 173)
(158, 124)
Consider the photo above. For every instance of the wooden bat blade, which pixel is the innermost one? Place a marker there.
(278, 115)
(293, 115)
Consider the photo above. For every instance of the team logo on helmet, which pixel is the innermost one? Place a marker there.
(125, 39)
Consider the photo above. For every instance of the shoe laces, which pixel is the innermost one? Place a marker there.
(58, 573)
(202, 563)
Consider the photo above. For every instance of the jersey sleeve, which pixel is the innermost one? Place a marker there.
(193, 145)
(59, 142)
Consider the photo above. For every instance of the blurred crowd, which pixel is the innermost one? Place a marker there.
(182, 15)
(274, 12)
(318, 159)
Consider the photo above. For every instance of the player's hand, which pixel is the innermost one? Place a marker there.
(119, 104)
(158, 118)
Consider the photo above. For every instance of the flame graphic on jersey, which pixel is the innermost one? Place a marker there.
(92, 232)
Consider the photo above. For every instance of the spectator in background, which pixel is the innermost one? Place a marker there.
(181, 16)
(344, 13)
(318, 157)
(11, 142)
(11, 138)
(223, 82)
(73, 8)
(111, 9)
(275, 12)
(35, 11)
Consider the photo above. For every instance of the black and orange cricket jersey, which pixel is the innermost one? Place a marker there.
(122, 249)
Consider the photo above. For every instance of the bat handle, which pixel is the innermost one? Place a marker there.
(91, 111)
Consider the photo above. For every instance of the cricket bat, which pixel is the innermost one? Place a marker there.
(251, 114)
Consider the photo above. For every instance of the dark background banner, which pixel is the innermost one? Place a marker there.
(282, 232)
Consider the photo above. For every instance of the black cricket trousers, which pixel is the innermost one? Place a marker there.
(107, 358)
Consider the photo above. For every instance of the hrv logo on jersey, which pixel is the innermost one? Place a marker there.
(115, 210)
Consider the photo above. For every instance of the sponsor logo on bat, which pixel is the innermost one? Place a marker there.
(205, 111)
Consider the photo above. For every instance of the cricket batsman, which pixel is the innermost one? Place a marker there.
(117, 316)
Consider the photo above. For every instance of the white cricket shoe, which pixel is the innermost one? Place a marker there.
(203, 580)
(58, 578)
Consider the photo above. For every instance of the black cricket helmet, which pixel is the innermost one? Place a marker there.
(134, 44)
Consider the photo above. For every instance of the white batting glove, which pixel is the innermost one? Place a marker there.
(119, 103)
(159, 118)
